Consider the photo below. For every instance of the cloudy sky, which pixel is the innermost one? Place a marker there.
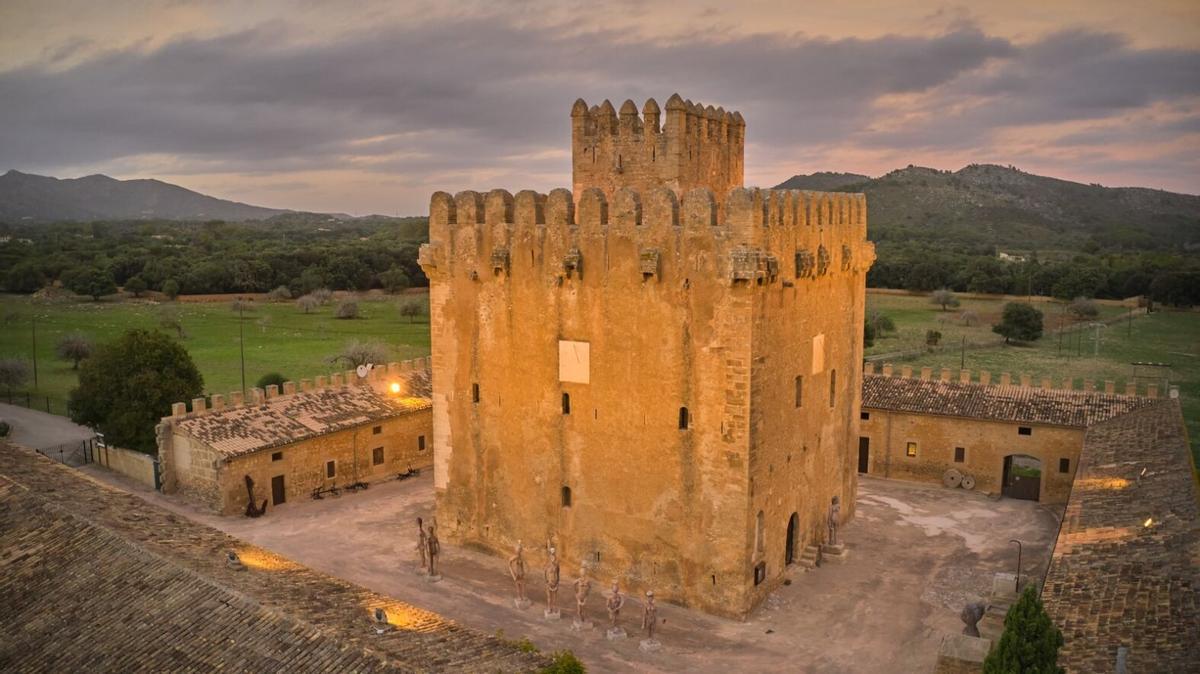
(370, 107)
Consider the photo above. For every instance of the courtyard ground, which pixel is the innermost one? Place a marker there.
(918, 554)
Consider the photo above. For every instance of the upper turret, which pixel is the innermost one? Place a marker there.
(694, 146)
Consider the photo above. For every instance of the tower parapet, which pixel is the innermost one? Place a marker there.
(691, 146)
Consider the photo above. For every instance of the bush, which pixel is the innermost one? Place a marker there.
(170, 288)
(969, 318)
(564, 662)
(357, 353)
(128, 386)
(74, 347)
(394, 280)
(411, 309)
(5, 429)
(881, 322)
(323, 295)
(271, 378)
(168, 319)
(1030, 641)
(135, 285)
(346, 309)
(1020, 322)
(13, 374)
(280, 294)
(932, 337)
(241, 305)
(1083, 308)
(868, 335)
(307, 303)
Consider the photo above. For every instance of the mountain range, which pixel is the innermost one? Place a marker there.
(29, 197)
(1003, 206)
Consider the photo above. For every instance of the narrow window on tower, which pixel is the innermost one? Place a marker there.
(566, 403)
(683, 418)
(832, 386)
(1064, 465)
(474, 393)
(566, 497)
(799, 390)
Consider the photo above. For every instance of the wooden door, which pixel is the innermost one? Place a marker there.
(278, 493)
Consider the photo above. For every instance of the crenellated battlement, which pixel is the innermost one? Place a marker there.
(761, 235)
(690, 146)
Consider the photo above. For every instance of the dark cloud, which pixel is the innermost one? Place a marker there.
(457, 96)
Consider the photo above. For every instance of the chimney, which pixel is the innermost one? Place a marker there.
(257, 395)
(1005, 379)
(319, 382)
(1089, 385)
(218, 402)
(197, 406)
(306, 385)
(1151, 390)
(236, 399)
(887, 369)
(945, 374)
(906, 371)
(926, 373)
(1068, 384)
(964, 376)
(1026, 380)
(1110, 386)
(178, 409)
(272, 391)
(1047, 384)
(1130, 388)
(985, 377)
(289, 388)
(868, 367)
(335, 380)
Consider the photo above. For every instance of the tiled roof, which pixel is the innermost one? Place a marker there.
(1057, 407)
(93, 579)
(1113, 581)
(286, 419)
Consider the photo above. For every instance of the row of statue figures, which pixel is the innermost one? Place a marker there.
(428, 550)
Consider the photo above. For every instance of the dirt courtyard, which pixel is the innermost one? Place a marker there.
(918, 554)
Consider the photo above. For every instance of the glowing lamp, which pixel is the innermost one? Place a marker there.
(395, 387)
(1149, 521)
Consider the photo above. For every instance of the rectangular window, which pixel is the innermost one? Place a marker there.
(377, 456)
(420, 443)
(912, 449)
(799, 390)
(1024, 430)
(960, 454)
(832, 386)
(865, 416)
(566, 403)
(277, 456)
(377, 430)
(331, 469)
(760, 572)
(566, 497)
(1064, 465)
(474, 393)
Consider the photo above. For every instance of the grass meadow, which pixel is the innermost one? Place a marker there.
(278, 337)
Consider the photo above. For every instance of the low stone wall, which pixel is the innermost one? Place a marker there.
(135, 465)
(1127, 302)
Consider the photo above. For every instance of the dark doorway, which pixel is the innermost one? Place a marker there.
(1022, 477)
(793, 524)
(278, 493)
(864, 455)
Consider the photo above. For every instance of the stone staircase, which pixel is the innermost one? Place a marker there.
(808, 558)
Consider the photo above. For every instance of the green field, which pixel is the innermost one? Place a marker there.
(1162, 337)
(278, 337)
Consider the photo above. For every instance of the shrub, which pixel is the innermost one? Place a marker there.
(323, 295)
(411, 309)
(128, 386)
(280, 294)
(356, 353)
(882, 323)
(932, 337)
(394, 280)
(13, 373)
(74, 347)
(346, 309)
(168, 319)
(170, 288)
(269, 379)
(307, 303)
(564, 662)
(1083, 308)
(241, 305)
(5, 429)
(1030, 641)
(1020, 322)
(868, 335)
(969, 318)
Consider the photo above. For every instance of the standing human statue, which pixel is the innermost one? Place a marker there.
(551, 574)
(431, 542)
(615, 601)
(422, 544)
(649, 615)
(516, 569)
(583, 587)
(835, 516)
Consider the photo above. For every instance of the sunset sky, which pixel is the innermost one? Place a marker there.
(371, 107)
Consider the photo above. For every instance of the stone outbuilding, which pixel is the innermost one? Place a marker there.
(349, 431)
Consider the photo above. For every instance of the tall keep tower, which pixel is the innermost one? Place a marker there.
(694, 146)
(667, 389)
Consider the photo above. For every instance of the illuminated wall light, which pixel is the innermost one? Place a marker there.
(395, 387)
(1148, 523)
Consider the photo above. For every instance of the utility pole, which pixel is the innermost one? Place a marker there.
(34, 331)
(962, 361)
(242, 341)
(1129, 324)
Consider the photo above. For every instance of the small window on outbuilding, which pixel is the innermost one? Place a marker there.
(377, 430)
(377, 456)
(1064, 465)
(566, 497)
(799, 390)
(420, 443)
(566, 403)
(911, 450)
(865, 416)
(960, 454)
(474, 393)
(684, 420)
(1024, 430)
(277, 456)
(331, 469)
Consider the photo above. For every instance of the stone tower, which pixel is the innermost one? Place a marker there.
(667, 389)
(693, 146)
